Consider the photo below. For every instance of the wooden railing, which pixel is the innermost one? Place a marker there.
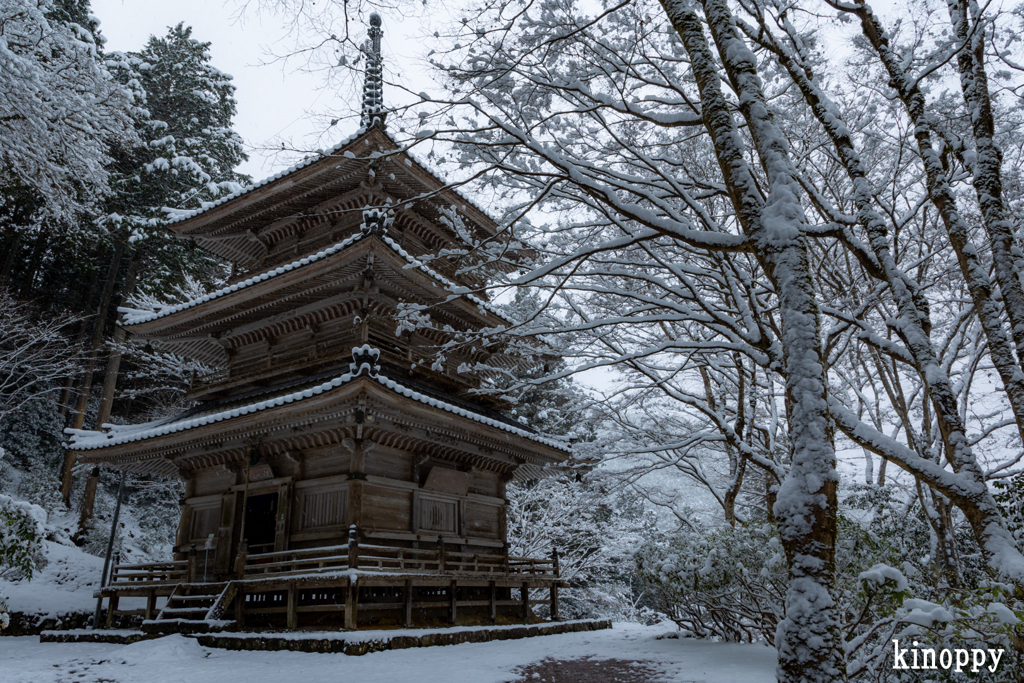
(354, 555)
(125, 575)
(290, 562)
(339, 558)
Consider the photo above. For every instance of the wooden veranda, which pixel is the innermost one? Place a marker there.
(333, 585)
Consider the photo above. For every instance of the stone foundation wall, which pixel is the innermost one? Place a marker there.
(298, 642)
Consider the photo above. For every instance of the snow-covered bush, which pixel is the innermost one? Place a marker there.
(1010, 496)
(729, 584)
(726, 583)
(882, 609)
(596, 530)
(22, 526)
(21, 535)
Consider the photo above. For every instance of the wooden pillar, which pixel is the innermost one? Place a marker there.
(190, 574)
(88, 500)
(241, 561)
(494, 603)
(352, 606)
(284, 507)
(526, 601)
(441, 554)
(357, 472)
(453, 598)
(111, 608)
(240, 605)
(150, 605)
(408, 603)
(554, 585)
(293, 603)
(353, 547)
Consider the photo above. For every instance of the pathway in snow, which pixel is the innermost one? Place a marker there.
(628, 653)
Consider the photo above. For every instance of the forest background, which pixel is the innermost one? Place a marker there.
(785, 231)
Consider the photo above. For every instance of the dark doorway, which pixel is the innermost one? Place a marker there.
(261, 522)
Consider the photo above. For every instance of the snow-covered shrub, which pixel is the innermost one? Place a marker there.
(22, 526)
(882, 610)
(21, 535)
(1009, 495)
(726, 583)
(729, 584)
(596, 530)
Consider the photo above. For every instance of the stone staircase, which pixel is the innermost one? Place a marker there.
(194, 608)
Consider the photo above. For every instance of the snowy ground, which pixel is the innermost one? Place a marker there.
(177, 659)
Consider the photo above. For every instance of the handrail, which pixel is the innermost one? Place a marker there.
(284, 553)
(150, 572)
(345, 556)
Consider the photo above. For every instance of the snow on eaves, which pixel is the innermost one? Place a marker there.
(134, 317)
(83, 440)
(177, 216)
(449, 285)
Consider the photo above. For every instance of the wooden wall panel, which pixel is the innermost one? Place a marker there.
(213, 480)
(482, 520)
(319, 508)
(485, 483)
(389, 462)
(386, 508)
(326, 461)
(205, 521)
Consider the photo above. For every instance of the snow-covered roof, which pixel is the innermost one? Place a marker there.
(177, 215)
(135, 317)
(449, 285)
(84, 440)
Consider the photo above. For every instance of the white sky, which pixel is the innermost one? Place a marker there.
(273, 101)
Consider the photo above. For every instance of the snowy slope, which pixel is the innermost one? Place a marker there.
(63, 586)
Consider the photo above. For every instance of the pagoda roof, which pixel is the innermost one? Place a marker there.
(309, 183)
(136, 317)
(272, 398)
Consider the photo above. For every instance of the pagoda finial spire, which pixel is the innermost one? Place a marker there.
(372, 113)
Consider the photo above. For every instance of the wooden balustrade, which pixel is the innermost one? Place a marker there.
(151, 573)
(339, 558)
(382, 558)
(295, 562)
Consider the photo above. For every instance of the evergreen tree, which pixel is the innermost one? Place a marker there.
(59, 112)
(187, 154)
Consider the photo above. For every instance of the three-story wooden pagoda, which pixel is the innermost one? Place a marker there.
(332, 466)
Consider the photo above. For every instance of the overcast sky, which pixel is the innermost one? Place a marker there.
(273, 101)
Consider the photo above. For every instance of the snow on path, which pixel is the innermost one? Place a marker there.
(177, 659)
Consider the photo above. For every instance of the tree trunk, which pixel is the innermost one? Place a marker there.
(89, 367)
(968, 488)
(987, 168)
(26, 290)
(114, 359)
(808, 639)
(10, 258)
(83, 326)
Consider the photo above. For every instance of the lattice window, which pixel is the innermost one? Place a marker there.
(438, 515)
(204, 521)
(324, 508)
